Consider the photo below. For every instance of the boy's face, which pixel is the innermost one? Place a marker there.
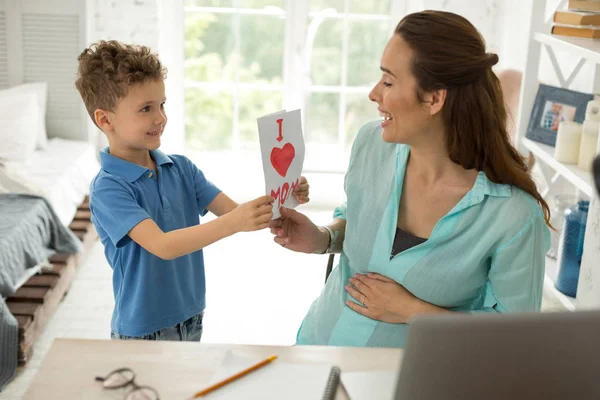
(138, 121)
(556, 108)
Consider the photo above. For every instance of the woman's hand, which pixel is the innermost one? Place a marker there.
(295, 231)
(384, 299)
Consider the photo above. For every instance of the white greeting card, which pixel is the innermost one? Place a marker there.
(282, 148)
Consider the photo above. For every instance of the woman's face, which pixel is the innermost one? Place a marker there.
(404, 116)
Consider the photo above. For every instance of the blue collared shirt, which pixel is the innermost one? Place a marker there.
(150, 293)
(485, 255)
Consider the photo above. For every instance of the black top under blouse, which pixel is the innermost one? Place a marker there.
(404, 241)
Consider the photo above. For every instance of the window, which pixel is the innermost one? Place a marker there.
(248, 58)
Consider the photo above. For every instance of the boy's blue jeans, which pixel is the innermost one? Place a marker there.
(187, 331)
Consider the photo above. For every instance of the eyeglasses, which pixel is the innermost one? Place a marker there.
(123, 377)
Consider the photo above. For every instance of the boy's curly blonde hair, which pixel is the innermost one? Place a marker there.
(107, 69)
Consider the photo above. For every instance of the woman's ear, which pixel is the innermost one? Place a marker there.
(435, 101)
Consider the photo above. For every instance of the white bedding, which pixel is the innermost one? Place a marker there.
(61, 173)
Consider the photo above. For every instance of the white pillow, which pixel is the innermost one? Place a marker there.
(40, 89)
(20, 116)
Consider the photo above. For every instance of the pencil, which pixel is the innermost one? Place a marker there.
(234, 377)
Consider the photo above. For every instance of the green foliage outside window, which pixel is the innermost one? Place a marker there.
(211, 56)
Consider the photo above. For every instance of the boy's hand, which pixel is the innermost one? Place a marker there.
(301, 191)
(253, 215)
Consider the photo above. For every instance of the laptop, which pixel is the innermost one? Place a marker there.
(502, 356)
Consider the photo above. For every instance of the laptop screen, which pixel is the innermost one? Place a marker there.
(520, 356)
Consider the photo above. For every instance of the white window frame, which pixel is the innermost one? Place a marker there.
(296, 57)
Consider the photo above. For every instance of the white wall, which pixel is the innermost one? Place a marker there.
(131, 21)
(512, 23)
(486, 15)
(158, 25)
(40, 42)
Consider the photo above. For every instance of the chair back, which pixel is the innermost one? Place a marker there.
(329, 266)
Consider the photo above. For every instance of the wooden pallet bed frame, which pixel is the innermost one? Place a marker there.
(37, 300)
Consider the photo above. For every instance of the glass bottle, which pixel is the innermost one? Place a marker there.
(557, 218)
(570, 248)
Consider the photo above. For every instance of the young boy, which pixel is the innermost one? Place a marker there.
(146, 205)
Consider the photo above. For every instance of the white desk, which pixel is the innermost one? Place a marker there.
(176, 370)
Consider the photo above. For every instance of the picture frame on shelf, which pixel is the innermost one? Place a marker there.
(552, 106)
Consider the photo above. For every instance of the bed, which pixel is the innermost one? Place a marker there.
(39, 217)
(61, 173)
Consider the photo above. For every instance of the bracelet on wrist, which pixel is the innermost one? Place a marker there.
(329, 248)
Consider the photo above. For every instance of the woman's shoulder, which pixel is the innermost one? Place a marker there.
(368, 141)
(509, 198)
(370, 128)
(515, 211)
(508, 213)
(366, 133)
(372, 160)
(521, 200)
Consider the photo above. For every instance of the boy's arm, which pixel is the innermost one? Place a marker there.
(116, 210)
(250, 216)
(221, 205)
(170, 245)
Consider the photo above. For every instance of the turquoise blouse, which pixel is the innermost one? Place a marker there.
(486, 255)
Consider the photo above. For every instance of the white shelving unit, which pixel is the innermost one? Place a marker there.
(581, 179)
(584, 48)
(581, 182)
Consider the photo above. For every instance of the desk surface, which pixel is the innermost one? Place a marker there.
(175, 369)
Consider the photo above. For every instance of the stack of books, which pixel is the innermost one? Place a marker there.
(582, 19)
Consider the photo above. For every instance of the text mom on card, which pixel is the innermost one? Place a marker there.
(282, 148)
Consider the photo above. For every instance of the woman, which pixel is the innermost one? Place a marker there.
(441, 213)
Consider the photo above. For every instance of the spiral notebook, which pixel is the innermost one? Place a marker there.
(278, 380)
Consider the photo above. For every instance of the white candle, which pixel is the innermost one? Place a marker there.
(592, 111)
(568, 140)
(589, 142)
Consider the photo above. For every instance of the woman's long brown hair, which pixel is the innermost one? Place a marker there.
(449, 53)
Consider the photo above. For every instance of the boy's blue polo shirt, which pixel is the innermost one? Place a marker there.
(150, 293)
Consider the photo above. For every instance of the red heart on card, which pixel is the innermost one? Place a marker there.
(281, 159)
